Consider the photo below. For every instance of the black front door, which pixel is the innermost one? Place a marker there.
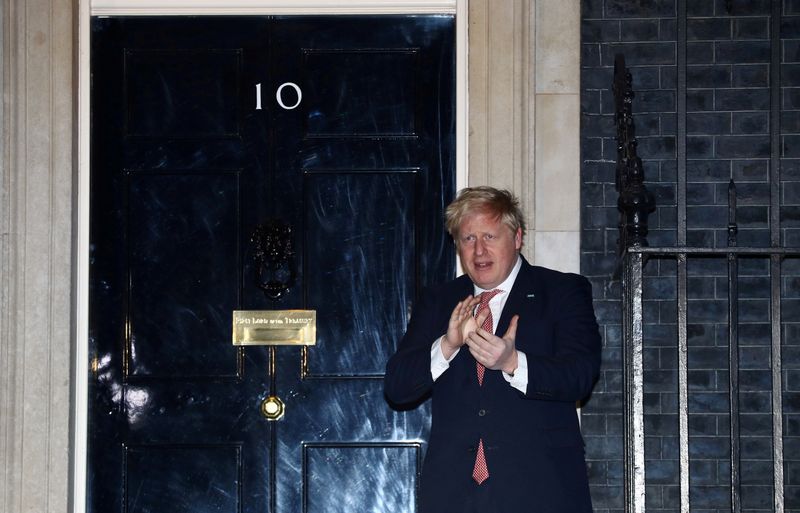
(204, 129)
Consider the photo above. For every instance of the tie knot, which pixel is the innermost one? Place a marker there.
(488, 295)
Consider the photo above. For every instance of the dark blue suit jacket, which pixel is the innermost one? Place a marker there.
(533, 444)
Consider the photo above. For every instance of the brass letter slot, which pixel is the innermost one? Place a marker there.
(274, 327)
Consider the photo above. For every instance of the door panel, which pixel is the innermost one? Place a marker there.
(166, 96)
(183, 261)
(185, 166)
(363, 222)
(359, 112)
(178, 478)
(386, 481)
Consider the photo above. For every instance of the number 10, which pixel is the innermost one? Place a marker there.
(279, 95)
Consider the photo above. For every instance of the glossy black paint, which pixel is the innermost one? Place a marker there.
(183, 170)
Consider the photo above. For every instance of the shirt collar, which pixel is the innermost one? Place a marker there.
(508, 282)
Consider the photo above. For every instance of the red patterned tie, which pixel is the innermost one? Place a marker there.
(488, 324)
(480, 472)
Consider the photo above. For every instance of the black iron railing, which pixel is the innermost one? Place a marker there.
(635, 203)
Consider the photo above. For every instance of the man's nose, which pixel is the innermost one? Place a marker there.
(480, 248)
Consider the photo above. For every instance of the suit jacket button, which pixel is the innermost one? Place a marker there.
(482, 413)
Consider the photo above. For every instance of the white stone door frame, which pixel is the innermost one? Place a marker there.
(89, 8)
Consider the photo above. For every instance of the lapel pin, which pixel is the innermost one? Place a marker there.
(531, 295)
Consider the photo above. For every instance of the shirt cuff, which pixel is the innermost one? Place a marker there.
(439, 363)
(520, 378)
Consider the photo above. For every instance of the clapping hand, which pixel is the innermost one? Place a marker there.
(461, 324)
(496, 353)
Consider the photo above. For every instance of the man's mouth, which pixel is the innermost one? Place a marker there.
(482, 265)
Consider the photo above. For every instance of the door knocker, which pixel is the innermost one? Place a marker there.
(274, 256)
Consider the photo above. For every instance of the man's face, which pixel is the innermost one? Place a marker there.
(487, 248)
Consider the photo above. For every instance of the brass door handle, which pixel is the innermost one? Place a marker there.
(272, 408)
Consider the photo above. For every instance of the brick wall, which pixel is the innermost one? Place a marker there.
(728, 136)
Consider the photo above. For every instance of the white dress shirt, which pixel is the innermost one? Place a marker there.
(519, 379)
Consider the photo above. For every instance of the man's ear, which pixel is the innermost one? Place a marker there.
(518, 239)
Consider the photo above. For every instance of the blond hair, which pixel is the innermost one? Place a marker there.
(484, 200)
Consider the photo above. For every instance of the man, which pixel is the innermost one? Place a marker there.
(504, 433)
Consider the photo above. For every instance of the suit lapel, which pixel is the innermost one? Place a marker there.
(465, 288)
(522, 300)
